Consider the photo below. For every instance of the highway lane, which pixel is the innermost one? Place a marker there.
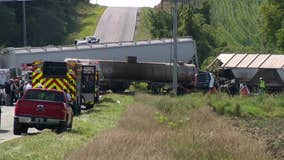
(117, 24)
(6, 128)
(7, 120)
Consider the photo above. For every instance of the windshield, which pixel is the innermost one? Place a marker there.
(44, 96)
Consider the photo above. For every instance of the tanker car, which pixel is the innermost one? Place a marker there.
(118, 75)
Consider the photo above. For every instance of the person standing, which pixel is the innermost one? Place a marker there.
(28, 86)
(262, 86)
(69, 98)
(211, 87)
(8, 93)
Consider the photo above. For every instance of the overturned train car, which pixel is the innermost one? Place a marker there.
(118, 75)
(248, 68)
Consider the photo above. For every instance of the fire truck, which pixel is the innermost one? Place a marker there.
(74, 78)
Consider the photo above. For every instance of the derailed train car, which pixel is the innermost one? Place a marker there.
(248, 68)
(118, 75)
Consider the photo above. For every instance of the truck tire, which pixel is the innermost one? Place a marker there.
(17, 128)
(78, 109)
(96, 99)
(89, 106)
(69, 127)
(61, 128)
(24, 129)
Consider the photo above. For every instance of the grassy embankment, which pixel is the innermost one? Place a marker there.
(88, 18)
(237, 24)
(48, 145)
(260, 117)
(141, 32)
(163, 127)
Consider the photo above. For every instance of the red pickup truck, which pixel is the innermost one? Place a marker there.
(43, 108)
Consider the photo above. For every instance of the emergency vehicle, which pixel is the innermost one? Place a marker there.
(77, 80)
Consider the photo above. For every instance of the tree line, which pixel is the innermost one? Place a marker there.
(273, 24)
(192, 21)
(195, 22)
(48, 21)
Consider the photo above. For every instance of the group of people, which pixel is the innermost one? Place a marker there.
(12, 90)
(240, 88)
(244, 89)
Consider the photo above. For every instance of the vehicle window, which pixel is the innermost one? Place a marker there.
(88, 79)
(44, 95)
(55, 69)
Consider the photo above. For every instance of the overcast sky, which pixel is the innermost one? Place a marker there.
(126, 3)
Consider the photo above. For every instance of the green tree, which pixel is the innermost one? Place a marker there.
(9, 29)
(192, 22)
(48, 21)
(280, 39)
(273, 15)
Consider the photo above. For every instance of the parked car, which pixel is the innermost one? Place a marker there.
(41, 109)
(87, 40)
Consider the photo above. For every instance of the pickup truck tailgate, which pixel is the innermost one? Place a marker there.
(46, 109)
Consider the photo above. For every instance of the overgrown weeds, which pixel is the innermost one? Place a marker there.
(138, 136)
(160, 127)
(258, 106)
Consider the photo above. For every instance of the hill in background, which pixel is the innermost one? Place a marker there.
(220, 25)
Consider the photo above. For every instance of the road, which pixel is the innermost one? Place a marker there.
(6, 128)
(117, 24)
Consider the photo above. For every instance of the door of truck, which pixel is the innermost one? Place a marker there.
(88, 86)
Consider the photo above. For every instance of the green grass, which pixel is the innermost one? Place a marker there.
(141, 32)
(198, 133)
(237, 23)
(48, 145)
(264, 106)
(89, 16)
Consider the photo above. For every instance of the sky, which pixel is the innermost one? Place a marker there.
(126, 3)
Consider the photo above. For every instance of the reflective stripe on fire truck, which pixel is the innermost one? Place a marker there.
(68, 83)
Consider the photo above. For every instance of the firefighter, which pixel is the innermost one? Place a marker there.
(262, 86)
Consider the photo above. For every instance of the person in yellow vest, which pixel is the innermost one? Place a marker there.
(262, 86)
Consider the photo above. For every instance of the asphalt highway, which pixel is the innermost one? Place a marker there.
(6, 126)
(117, 24)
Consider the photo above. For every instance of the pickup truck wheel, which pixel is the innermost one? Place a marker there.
(17, 128)
(40, 128)
(24, 129)
(61, 128)
(69, 127)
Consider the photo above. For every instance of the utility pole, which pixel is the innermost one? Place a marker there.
(24, 23)
(175, 69)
